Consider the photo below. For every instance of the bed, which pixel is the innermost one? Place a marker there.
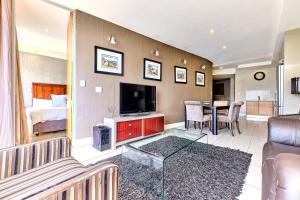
(43, 116)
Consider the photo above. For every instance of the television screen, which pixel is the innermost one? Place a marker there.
(295, 87)
(137, 98)
(218, 88)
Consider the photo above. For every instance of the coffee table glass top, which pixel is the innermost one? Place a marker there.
(166, 150)
(144, 161)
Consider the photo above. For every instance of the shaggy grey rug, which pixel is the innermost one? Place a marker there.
(192, 173)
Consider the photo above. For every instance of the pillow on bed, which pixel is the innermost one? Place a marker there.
(41, 103)
(59, 100)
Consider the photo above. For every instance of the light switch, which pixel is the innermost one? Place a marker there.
(82, 83)
(99, 89)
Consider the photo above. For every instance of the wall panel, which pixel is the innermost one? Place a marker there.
(92, 107)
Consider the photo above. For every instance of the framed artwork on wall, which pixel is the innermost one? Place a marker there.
(109, 61)
(152, 70)
(199, 79)
(180, 74)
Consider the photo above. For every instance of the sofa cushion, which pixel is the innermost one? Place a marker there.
(33, 181)
(270, 151)
(286, 167)
(284, 131)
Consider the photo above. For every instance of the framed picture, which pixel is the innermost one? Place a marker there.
(180, 74)
(152, 70)
(199, 78)
(109, 61)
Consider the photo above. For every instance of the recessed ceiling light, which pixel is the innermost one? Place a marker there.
(46, 30)
(211, 31)
(224, 47)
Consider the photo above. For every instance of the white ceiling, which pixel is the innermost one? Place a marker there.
(252, 30)
(289, 19)
(42, 28)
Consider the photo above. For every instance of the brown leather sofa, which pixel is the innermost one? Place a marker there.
(281, 160)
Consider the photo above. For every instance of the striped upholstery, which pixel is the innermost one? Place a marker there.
(99, 182)
(45, 170)
(16, 160)
(33, 181)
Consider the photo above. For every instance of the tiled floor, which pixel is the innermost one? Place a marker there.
(252, 139)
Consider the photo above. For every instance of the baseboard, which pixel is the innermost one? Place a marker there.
(82, 142)
(257, 118)
(174, 125)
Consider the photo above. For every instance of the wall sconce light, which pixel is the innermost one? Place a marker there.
(184, 61)
(155, 52)
(112, 40)
(202, 66)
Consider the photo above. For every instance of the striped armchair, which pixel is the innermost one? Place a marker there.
(18, 159)
(100, 182)
(46, 170)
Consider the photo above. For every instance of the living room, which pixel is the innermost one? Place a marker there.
(144, 118)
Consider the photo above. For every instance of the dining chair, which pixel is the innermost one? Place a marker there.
(219, 103)
(194, 112)
(233, 116)
(222, 103)
(239, 104)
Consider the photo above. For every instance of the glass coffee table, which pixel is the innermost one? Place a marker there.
(144, 161)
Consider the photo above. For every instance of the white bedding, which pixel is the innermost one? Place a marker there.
(36, 115)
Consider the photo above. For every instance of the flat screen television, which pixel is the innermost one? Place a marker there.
(295, 87)
(137, 98)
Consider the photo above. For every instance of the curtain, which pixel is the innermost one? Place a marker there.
(13, 126)
(6, 80)
(21, 130)
(69, 73)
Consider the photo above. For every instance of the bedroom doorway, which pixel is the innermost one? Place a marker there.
(42, 30)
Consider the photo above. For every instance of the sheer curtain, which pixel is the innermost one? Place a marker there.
(6, 80)
(21, 130)
(12, 114)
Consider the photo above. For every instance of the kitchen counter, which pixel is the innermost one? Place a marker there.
(260, 107)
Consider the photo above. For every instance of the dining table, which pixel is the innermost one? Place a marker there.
(214, 116)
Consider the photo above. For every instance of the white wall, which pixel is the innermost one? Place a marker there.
(40, 69)
(291, 69)
(244, 81)
(232, 89)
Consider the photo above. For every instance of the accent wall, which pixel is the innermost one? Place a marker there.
(90, 108)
